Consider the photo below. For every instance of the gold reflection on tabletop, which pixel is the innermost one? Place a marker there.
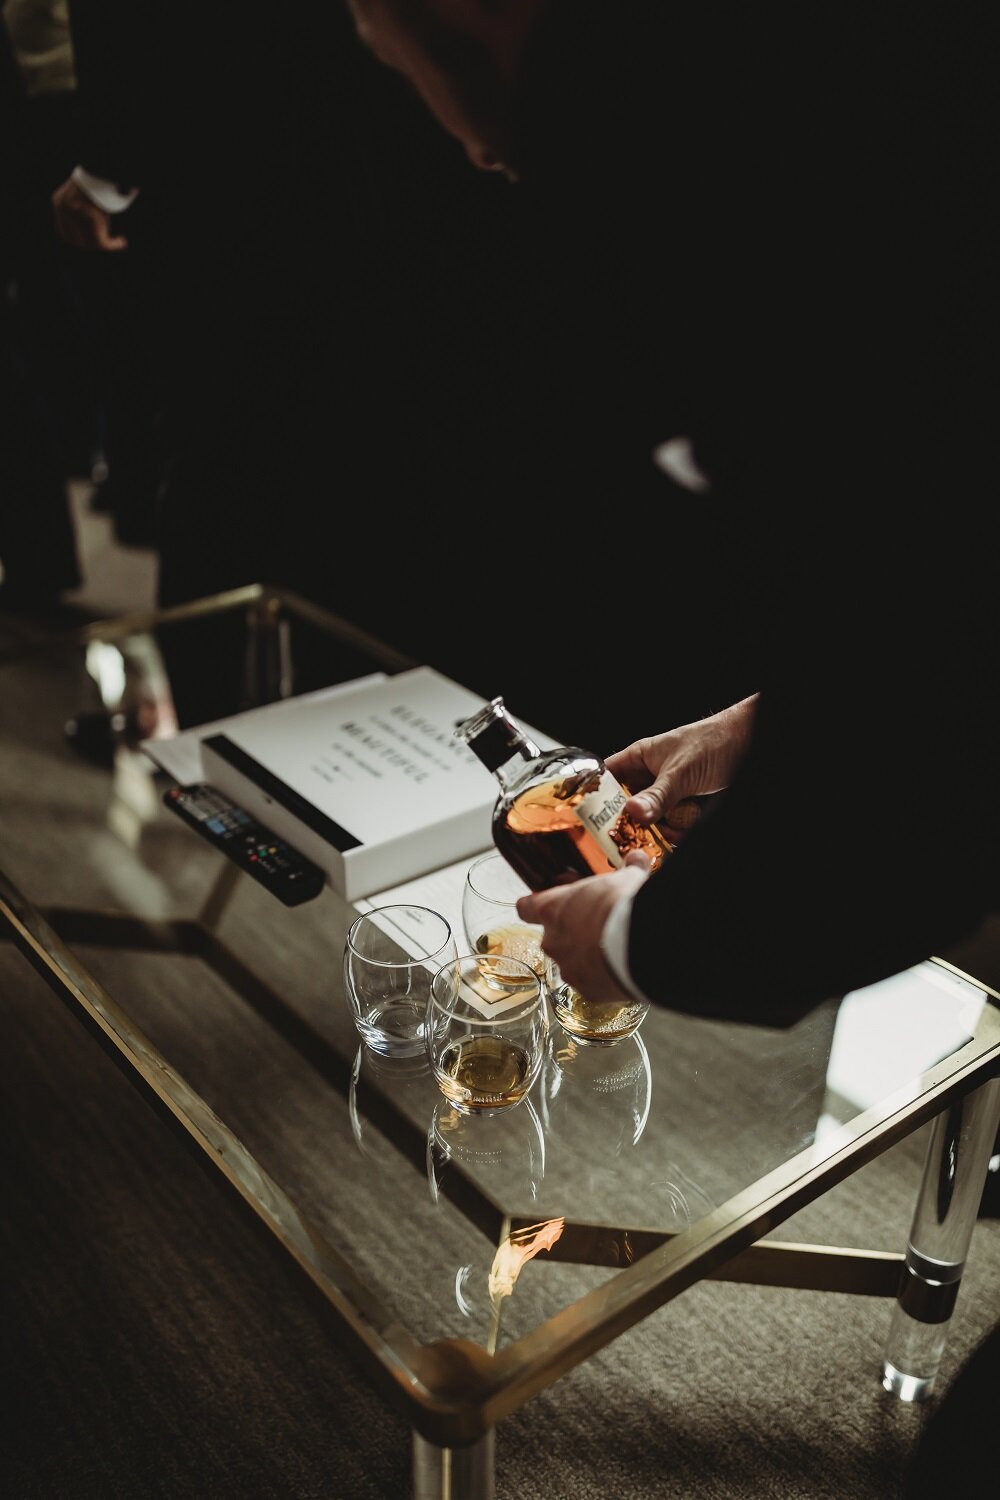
(520, 1246)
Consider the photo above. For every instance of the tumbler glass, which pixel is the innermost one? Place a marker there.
(486, 1030)
(489, 913)
(390, 958)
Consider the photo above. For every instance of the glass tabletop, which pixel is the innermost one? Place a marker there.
(474, 1259)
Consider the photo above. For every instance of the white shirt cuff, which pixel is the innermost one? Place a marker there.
(614, 946)
(104, 193)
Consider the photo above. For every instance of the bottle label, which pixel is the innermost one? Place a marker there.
(600, 812)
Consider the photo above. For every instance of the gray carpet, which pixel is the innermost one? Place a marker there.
(151, 1347)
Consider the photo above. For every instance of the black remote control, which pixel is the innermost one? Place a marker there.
(280, 869)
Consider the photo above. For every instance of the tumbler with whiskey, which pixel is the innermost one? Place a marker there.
(489, 913)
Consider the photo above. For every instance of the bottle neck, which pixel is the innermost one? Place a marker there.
(507, 771)
(501, 744)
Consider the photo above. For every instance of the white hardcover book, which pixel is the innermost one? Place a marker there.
(370, 783)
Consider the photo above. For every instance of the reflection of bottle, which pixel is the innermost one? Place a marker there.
(559, 813)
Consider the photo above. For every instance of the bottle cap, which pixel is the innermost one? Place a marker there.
(491, 733)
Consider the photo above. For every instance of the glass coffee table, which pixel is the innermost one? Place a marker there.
(468, 1262)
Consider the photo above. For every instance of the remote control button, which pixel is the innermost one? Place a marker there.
(256, 849)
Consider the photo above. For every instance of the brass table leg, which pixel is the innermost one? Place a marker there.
(454, 1473)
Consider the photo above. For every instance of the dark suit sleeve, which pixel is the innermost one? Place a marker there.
(860, 836)
(791, 217)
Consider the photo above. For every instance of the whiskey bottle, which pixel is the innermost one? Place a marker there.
(559, 813)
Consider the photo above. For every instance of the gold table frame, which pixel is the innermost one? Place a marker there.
(453, 1391)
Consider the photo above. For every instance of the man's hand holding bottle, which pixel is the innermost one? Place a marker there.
(667, 775)
(668, 772)
(573, 918)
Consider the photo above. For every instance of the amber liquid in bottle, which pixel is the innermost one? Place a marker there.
(543, 837)
(560, 814)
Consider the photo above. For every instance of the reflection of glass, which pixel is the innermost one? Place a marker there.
(486, 1028)
(676, 1200)
(595, 1106)
(489, 913)
(598, 1100)
(374, 1077)
(595, 1023)
(390, 958)
(503, 1153)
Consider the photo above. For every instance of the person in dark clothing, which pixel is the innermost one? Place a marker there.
(788, 227)
(364, 371)
(833, 258)
(787, 217)
(38, 548)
